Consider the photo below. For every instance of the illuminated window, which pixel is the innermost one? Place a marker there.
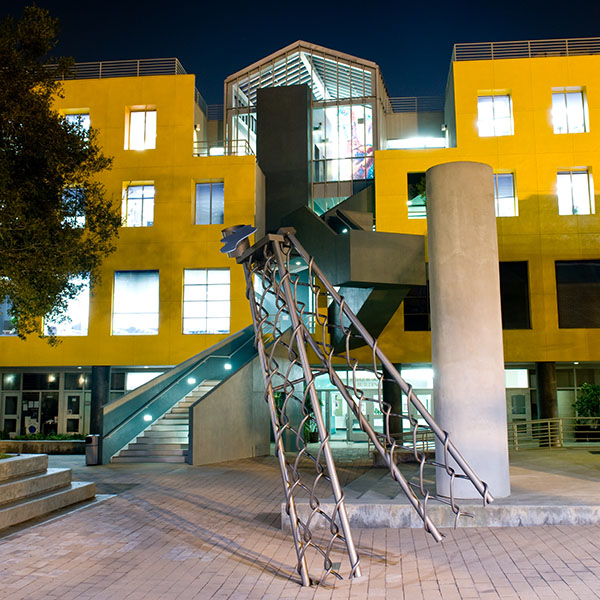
(504, 195)
(138, 205)
(206, 307)
(7, 326)
(79, 120)
(568, 112)
(575, 192)
(494, 115)
(210, 203)
(417, 200)
(74, 207)
(135, 303)
(78, 312)
(141, 130)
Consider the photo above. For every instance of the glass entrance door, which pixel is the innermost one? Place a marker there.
(72, 414)
(10, 412)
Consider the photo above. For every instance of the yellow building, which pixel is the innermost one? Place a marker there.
(531, 110)
(175, 200)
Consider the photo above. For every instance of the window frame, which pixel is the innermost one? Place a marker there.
(495, 121)
(121, 332)
(583, 123)
(562, 201)
(198, 294)
(144, 202)
(213, 214)
(515, 200)
(149, 129)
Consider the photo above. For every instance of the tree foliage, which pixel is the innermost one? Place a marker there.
(48, 170)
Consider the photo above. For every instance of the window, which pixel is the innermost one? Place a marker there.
(514, 295)
(140, 131)
(78, 312)
(74, 207)
(138, 205)
(417, 316)
(568, 111)
(494, 115)
(575, 192)
(206, 301)
(504, 195)
(7, 326)
(135, 303)
(577, 292)
(210, 203)
(79, 120)
(417, 201)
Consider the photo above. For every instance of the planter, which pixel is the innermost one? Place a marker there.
(42, 446)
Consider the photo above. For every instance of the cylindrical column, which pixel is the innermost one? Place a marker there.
(466, 323)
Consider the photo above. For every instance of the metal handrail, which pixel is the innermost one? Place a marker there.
(553, 433)
(236, 148)
(526, 49)
(126, 68)
(190, 366)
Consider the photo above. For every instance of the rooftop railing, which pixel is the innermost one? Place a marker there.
(220, 148)
(526, 49)
(140, 67)
(417, 104)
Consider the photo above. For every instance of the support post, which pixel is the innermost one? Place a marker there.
(466, 323)
(100, 396)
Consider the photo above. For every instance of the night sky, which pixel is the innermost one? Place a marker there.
(411, 41)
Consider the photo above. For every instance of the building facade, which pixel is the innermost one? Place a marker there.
(183, 171)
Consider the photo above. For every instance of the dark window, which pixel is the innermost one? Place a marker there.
(578, 293)
(40, 381)
(514, 295)
(416, 196)
(416, 309)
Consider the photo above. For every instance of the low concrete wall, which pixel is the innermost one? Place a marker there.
(42, 446)
(232, 421)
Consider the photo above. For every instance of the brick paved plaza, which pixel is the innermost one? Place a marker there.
(178, 532)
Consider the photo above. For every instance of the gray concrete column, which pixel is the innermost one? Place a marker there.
(466, 324)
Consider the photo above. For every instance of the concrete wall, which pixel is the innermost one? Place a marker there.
(231, 422)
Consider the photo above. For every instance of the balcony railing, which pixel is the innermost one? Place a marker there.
(416, 104)
(238, 148)
(140, 67)
(526, 49)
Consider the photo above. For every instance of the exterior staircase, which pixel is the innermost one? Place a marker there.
(166, 440)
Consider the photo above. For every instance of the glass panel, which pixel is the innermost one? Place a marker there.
(150, 134)
(10, 405)
(136, 379)
(505, 195)
(217, 276)
(136, 130)
(581, 193)
(78, 313)
(75, 381)
(11, 381)
(218, 202)
(575, 118)
(40, 381)
(564, 193)
(565, 378)
(203, 208)
(72, 425)
(559, 113)
(206, 306)
(516, 378)
(73, 405)
(10, 425)
(6, 321)
(135, 305)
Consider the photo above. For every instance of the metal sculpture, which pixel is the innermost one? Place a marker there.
(288, 296)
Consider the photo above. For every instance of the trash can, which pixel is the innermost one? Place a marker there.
(92, 446)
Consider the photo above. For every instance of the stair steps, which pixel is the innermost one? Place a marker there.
(166, 440)
(29, 489)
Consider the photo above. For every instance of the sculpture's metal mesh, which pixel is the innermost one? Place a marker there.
(288, 296)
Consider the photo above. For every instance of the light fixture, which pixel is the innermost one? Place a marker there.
(298, 262)
(191, 380)
(227, 366)
(147, 417)
(576, 362)
(51, 378)
(345, 230)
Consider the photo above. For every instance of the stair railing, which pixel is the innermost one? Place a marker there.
(126, 417)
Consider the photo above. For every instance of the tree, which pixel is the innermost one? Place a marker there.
(48, 184)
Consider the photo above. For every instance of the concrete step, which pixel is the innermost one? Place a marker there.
(152, 452)
(23, 465)
(15, 490)
(19, 512)
(143, 443)
(175, 418)
(177, 436)
(166, 426)
(147, 459)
